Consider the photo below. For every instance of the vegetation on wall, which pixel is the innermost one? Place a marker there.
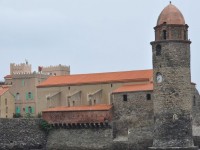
(17, 115)
(45, 126)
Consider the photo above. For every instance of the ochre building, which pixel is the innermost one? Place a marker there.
(7, 106)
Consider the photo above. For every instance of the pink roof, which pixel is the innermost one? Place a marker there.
(80, 108)
(134, 88)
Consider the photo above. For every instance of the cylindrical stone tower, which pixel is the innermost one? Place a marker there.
(172, 83)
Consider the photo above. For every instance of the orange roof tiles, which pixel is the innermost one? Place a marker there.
(134, 88)
(109, 77)
(3, 90)
(80, 108)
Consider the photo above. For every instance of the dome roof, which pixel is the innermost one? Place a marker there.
(171, 15)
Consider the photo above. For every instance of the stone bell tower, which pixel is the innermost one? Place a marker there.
(172, 82)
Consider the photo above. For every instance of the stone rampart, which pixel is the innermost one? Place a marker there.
(21, 134)
(25, 134)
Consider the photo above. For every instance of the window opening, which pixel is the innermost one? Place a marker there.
(164, 34)
(158, 50)
(30, 109)
(17, 96)
(73, 103)
(6, 109)
(94, 102)
(29, 95)
(125, 97)
(148, 96)
(6, 101)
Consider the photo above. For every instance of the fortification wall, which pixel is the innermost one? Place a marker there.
(80, 139)
(25, 134)
(21, 134)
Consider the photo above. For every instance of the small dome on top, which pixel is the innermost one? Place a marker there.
(171, 15)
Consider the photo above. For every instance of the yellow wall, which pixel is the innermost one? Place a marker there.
(61, 99)
(9, 105)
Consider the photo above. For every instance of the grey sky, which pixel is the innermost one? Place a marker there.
(89, 35)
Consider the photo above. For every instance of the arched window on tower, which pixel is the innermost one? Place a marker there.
(158, 50)
(185, 35)
(164, 34)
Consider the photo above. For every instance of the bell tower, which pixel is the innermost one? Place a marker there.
(172, 82)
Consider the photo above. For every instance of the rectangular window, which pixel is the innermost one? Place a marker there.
(125, 97)
(17, 96)
(6, 109)
(148, 96)
(6, 101)
(29, 96)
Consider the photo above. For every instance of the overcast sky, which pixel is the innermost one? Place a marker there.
(89, 35)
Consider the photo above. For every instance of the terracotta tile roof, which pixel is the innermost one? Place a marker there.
(109, 77)
(171, 15)
(8, 76)
(3, 90)
(80, 108)
(134, 88)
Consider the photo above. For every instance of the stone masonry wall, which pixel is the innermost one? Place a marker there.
(21, 134)
(195, 107)
(136, 112)
(80, 139)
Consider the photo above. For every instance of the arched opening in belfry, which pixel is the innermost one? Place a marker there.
(164, 34)
(158, 50)
(185, 35)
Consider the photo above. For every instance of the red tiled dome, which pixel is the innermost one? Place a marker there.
(171, 15)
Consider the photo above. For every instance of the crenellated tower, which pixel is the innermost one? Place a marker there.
(172, 82)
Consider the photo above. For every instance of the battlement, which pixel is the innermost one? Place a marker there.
(29, 75)
(20, 68)
(56, 70)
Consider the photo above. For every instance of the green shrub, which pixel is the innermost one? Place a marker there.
(39, 115)
(45, 126)
(28, 115)
(17, 115)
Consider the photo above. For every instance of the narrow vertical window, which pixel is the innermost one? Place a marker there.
(94, 102)
(6, 109)
(17, 96)
(125, 97)
(148, 96)
(164, 34)
(73, 103)
(194, 100)
(30, 109)
(6, 101)
(158, 50)
(29, 95)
